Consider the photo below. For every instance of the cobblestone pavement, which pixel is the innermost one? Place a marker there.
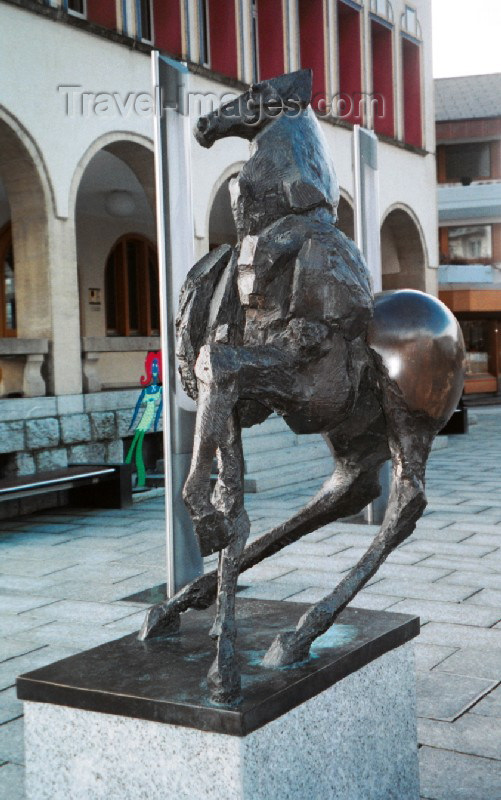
(63, 573)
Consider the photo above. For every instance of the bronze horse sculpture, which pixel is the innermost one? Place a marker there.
(286, 322)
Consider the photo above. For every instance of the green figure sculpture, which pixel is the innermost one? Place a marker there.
(149, 395)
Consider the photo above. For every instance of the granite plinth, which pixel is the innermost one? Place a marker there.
(133, 719)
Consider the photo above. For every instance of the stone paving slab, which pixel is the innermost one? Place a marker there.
(480, 579)
(472, 735)
(442, 696)
(18, 603)
(490, 706)
(461, 636)
(478, 663)
(463, 549)
(411, 573)
(447, 775)
(12, 649)
(455, 564)
(12, 667)
(422, 591)
(11, 781)
(10, 707)
(274, 590)
(449, 612)
(431, 655)
(12, 741)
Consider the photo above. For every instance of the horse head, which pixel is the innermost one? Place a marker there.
(256, 108)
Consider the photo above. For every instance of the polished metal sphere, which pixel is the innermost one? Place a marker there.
(422, 347)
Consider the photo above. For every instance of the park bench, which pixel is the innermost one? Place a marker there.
(88, 485)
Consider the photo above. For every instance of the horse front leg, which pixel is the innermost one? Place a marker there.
(221, 522)
(228, 498)
(224, 675)
(217, 396)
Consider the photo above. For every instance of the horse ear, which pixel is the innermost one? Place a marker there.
(297, 85)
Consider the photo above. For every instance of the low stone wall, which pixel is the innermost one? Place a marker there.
(48, 433)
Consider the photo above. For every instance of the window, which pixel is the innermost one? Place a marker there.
(271, 38)
(351, 101)
(469, 243)
(131, 289)
(223, 51)
(382, 8)
(255, 42)
(312, 49)
(203, 29)
(476, 339)
(410, 24)
(76, 7)
(7, 284)
(411, 67)
(382, 78)
(466, 162)
(144, 20)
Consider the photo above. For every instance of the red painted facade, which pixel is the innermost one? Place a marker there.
(412, 93)
(382, 80)
(270, 21)
(223, 37)
(167, 26)
(468, 129)
(311, 28)
(102, 12)
(350, 64)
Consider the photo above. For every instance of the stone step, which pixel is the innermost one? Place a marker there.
(273, 424)
(299, 455)
(288, 476)
(272, 441)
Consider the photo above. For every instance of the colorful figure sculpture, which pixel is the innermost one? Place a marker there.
(286, 322)
(149, 395)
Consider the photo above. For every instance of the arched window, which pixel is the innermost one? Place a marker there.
(131, 288)
(7, 284)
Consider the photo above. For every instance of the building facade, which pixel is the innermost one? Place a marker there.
(468, 130)
(79, 285)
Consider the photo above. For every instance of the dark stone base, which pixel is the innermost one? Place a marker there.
(164, 680)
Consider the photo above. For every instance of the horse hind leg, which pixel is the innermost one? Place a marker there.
(410, 441)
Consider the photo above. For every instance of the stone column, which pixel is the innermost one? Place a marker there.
(66, 365)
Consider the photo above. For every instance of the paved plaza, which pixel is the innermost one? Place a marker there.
(63, 575)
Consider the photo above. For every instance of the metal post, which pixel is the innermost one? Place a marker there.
(175, 255)
(368, 239)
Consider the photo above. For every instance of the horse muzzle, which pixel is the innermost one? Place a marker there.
(205, 132)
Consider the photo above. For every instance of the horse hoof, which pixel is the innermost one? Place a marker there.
(224, 686)
(213, 533)
(160, 621)
(286, 649)
(215, 631)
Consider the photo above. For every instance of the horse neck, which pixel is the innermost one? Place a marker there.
(289, 171)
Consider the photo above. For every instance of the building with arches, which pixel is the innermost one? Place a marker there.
(78, 281)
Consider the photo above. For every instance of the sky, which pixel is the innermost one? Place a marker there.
(466, 37)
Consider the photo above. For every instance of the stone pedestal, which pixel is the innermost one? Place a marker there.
(131, 719)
